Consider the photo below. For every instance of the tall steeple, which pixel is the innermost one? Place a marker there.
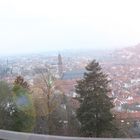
(60, 66)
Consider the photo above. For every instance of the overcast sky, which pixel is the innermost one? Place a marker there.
(38, 25)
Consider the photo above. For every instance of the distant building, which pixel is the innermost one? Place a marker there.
(73, 75)
(60, 66)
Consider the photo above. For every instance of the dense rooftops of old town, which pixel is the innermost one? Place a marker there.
(121, 66)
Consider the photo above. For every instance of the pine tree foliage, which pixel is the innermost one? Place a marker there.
(95, 105)
(19, 81)
(5, 105)
(24, 111)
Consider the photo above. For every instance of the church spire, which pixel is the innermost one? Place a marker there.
(60, 65)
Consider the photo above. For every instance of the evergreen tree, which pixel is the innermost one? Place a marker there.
(16, 107)
(94, 112)
(5, 106)
(24, 112)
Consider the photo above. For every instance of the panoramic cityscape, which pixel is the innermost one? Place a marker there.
(69, 69)
(121, 66)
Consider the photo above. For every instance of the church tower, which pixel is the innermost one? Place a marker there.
(60, 66)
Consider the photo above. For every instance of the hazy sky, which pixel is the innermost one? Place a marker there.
(37, 25)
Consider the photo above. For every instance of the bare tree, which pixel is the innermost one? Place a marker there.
(46, 97)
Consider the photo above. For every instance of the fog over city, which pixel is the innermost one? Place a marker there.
(42, 25)
(69, 68)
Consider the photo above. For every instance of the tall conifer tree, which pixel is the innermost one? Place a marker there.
(95, 105)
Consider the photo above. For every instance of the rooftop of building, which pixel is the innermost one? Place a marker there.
(75, 74)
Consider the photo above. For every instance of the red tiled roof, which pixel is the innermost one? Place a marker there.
(128, 115)
(65, 85)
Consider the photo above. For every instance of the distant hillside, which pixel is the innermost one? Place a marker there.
(129, 55)
(99, 55)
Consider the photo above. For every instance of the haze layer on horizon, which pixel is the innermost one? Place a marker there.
(46, 25)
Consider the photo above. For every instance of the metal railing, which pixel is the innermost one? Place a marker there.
(10, 135)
